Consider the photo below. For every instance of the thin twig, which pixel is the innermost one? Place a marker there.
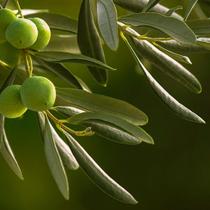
(60, 125)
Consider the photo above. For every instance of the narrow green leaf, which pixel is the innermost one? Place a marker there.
(89, 41)
(138, 5)
(176, 56)
(103, 129)
(107, 22)
(178, 47)
(175, 28)
(26, 12)
(172, 103)
(112, 133)
(190, 5)
(138, 132)
(63, 43)
(97, 175)
(57, 21)
(100, 103)
(150, 4)
(7, 152)
(5, 148)
(54, 160)
(62, 72)
(168, 65)
(64, 57)
(9, 80)
(63, 148)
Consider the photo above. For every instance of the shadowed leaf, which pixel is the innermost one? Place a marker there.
(97, 175)
(172, 103)
(89, 41)
(107, 22)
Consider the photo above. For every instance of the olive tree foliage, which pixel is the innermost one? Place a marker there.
(150, 31)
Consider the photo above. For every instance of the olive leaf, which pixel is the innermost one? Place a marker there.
(176, 56)
(104, 129)
(57, 21)
(173, 27)
(63, 148)
(5, 148)
(53, 157)
(62, 72)
(65, 57)
(178, 47)
(89, 41)
(172, 103)
(63, 43)
(7, 152)
(138, 5)
(135, 131)
(167, 64)
(107, 22)
(26, 12)
(94, 102)
(150, 4)
(97, 175)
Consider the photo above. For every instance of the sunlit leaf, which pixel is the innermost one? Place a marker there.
(97, 175)
(54, 160)
(63, 148)
(138, 132)
(57, 21)
(95, 102)
(178, 47)
(168, 65)
(173, 27)
(103, 129)
(138, 5)
(63, 43)
(150, 4)
(7, 152)
(176, 56)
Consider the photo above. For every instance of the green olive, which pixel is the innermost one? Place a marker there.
(8, 54)
(38, 93)
(7, 16)
(44, 34)
(10, 102)
(22, 33)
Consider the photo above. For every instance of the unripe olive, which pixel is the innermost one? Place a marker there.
(8, 54)
(38, 93)
(10, 102)
(44, 34)
(22, 33)
(7, 16)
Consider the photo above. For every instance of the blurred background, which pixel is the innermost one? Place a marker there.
(173, 174)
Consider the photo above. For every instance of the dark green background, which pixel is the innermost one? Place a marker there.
(174, 174)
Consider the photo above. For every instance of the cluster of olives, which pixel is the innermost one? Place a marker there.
(20, 33)
(37, 93)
